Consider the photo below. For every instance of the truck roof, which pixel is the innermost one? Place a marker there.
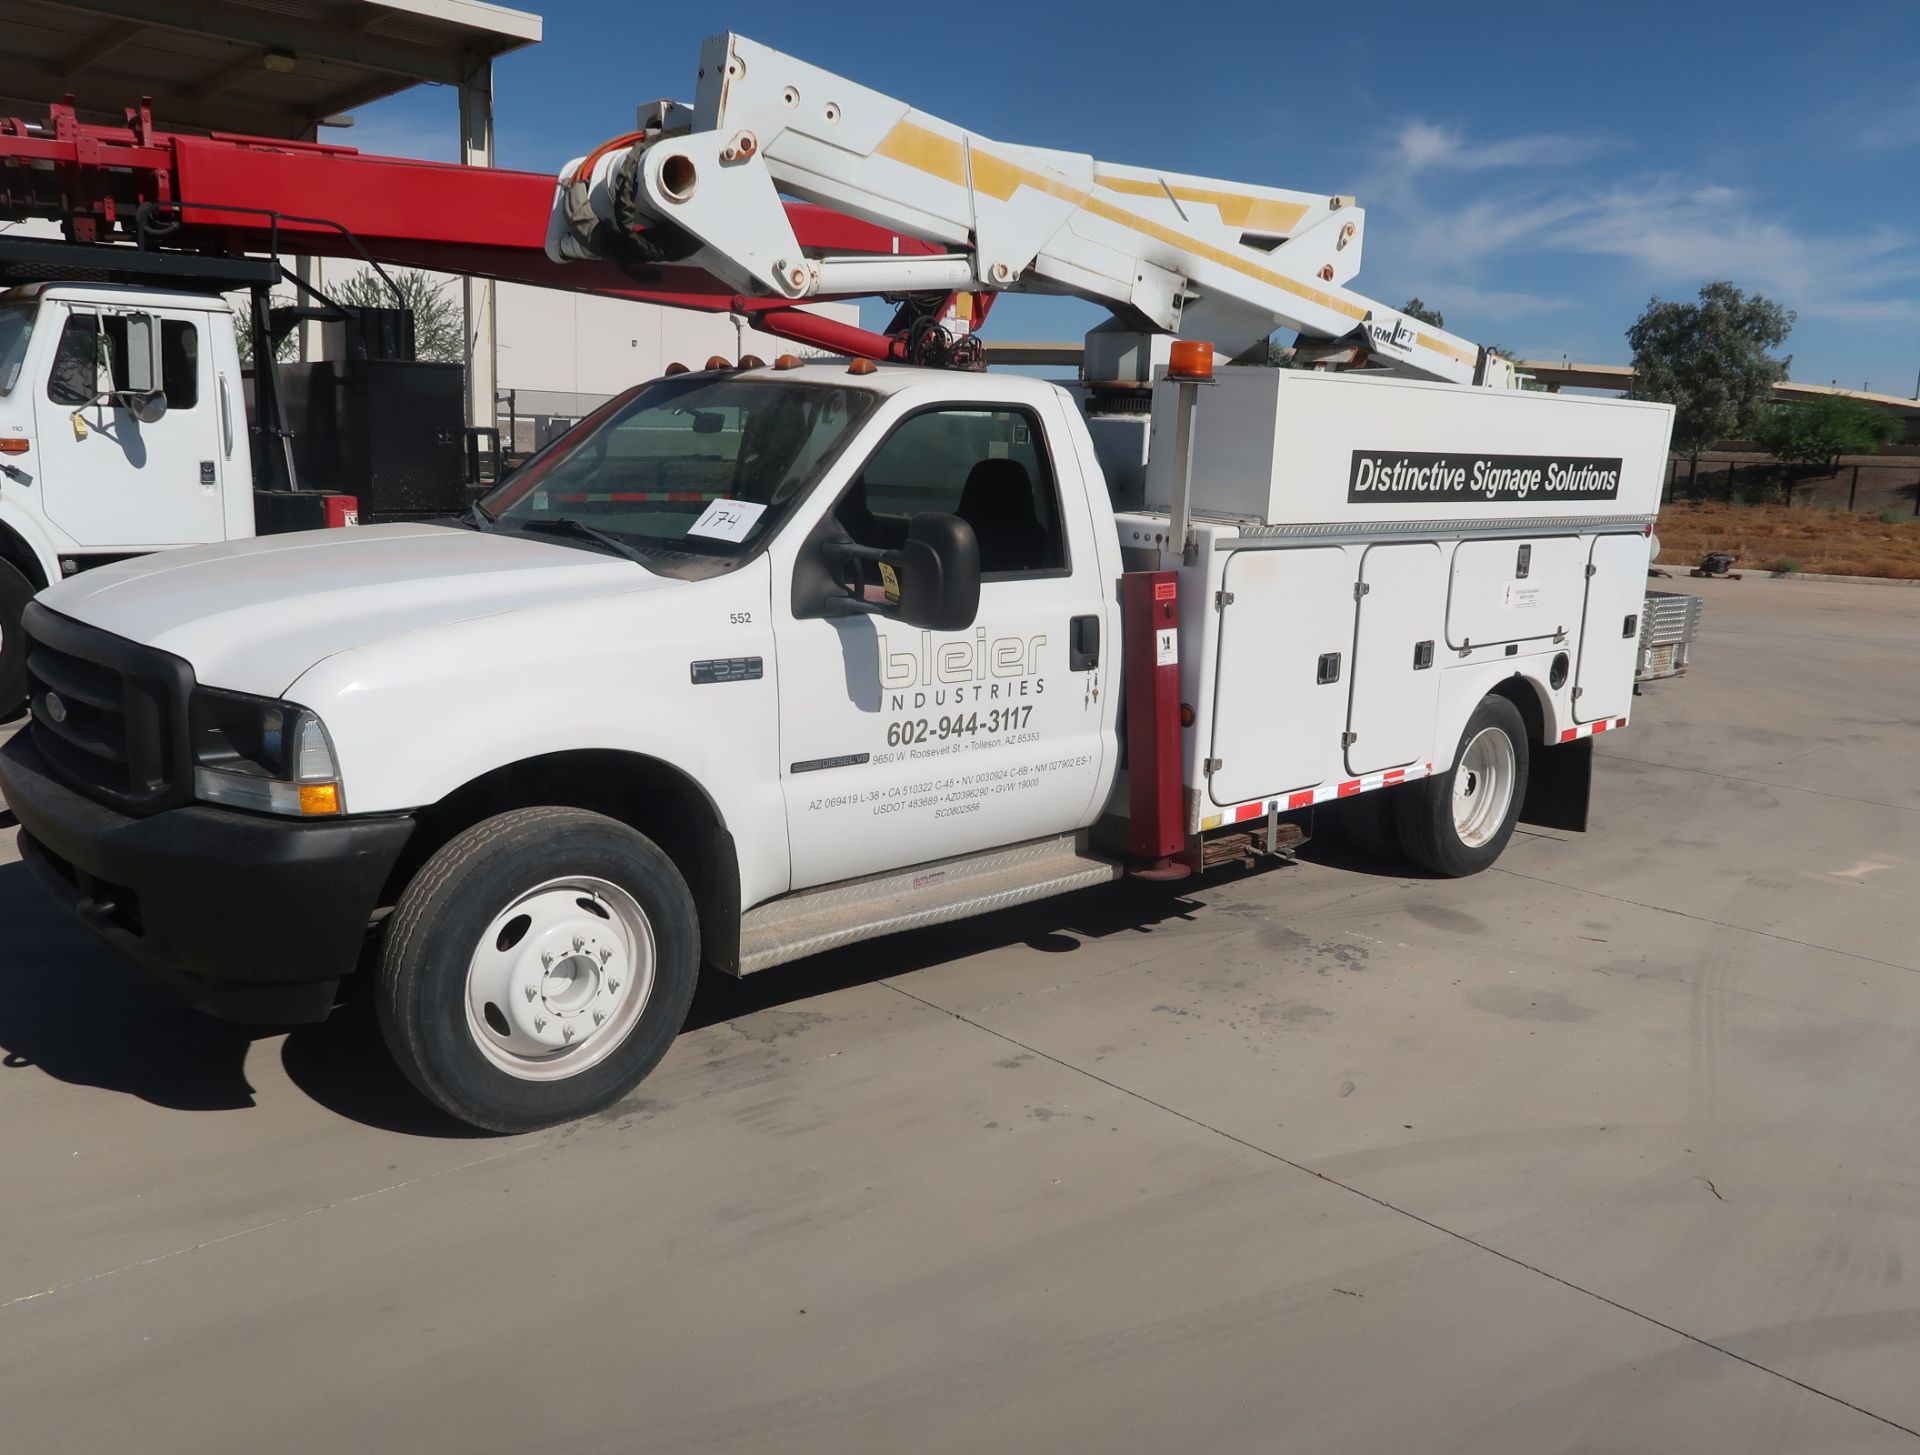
(114, 295)
(890, 379)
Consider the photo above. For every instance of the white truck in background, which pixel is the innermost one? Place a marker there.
(763, 659)
(126, 428)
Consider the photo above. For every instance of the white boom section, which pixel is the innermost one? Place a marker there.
(1180, 254)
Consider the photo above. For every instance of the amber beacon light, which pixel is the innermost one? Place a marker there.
(1190, 359)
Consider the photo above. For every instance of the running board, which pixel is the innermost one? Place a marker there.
(863, 909)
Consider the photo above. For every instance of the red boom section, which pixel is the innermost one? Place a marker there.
(239, 194)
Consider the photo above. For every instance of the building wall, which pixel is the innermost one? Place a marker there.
(556, 348)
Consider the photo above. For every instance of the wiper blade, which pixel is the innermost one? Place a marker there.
(567, 525)
(473, 517)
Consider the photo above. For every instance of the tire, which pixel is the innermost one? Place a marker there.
(497, 992)
(1458, 822)
(15, 592)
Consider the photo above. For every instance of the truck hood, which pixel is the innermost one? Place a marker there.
(252, 616)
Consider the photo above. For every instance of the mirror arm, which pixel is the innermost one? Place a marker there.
(839, 555)
(846, 553)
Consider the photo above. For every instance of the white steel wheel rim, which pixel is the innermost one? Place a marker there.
(1483, 787)
(559, 978)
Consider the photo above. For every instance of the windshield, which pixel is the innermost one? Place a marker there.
(699, 463)
(16, 330)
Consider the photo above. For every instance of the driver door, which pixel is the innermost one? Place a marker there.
(110, 481)
(899, 745)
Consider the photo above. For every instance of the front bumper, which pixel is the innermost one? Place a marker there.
(246, 917)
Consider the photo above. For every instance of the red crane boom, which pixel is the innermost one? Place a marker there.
(229, 194)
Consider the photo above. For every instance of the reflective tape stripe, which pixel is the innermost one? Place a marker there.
(1588, 729)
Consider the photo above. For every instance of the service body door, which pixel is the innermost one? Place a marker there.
(1396, 679)
(1280, 693)
(900, 746)
(1610, 627)
(113, 482)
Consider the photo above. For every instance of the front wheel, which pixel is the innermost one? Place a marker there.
(1458, 822)
(537, 968)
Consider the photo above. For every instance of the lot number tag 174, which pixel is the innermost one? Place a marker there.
(727, 520)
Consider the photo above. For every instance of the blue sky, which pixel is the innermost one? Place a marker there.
(1536, 172)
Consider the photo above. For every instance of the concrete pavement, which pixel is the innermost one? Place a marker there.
(1614, 1147)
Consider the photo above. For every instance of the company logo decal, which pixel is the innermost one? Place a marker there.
(1417, 475)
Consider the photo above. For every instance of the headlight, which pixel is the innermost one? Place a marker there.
(253, 752)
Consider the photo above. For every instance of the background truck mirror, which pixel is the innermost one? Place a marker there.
(932, 581)
(143, 356)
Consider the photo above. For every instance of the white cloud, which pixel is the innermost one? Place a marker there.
(1423, 146)
(1463, 217)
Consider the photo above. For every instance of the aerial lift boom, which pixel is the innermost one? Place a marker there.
(1166, 252)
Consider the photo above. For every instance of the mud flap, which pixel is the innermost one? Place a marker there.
(1559, 786)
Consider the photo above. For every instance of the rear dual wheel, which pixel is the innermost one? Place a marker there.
(537, 968)
(1458, 822)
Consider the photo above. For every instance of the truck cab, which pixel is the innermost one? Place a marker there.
(122, 430)
(97, 469)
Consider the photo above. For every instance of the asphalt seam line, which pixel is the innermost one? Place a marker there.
(1425, 1222)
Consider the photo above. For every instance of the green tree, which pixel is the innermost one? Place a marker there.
(1710, 360)
(439, 319)
(243, 334)
(1809, 436)
(1415, 308)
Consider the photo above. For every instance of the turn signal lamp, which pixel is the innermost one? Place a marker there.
(860, 366)
(319, 798)
(14, 446)
(1190, 359)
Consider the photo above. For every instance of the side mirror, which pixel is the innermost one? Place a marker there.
(143, 354)
(149, 408)
(932, 581)
(708, 421)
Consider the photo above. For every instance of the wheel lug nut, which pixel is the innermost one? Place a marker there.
(566, 1033)
(531, 992)
(546, 959)
(598, 1016)
(606, 954)
(613, 985)
(578, 941)
(539, 1023)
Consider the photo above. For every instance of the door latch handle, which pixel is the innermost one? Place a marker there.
(1083, 644)
(1329, 668)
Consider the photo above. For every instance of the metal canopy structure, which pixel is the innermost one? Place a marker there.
(266, 67)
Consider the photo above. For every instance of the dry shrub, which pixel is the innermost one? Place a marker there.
(1827, 542)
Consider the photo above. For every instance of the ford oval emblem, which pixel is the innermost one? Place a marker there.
(56, 709)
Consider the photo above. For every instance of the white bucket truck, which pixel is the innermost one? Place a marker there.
(764, 659)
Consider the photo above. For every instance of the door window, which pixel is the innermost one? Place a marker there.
(75, 357)
(988, 466)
